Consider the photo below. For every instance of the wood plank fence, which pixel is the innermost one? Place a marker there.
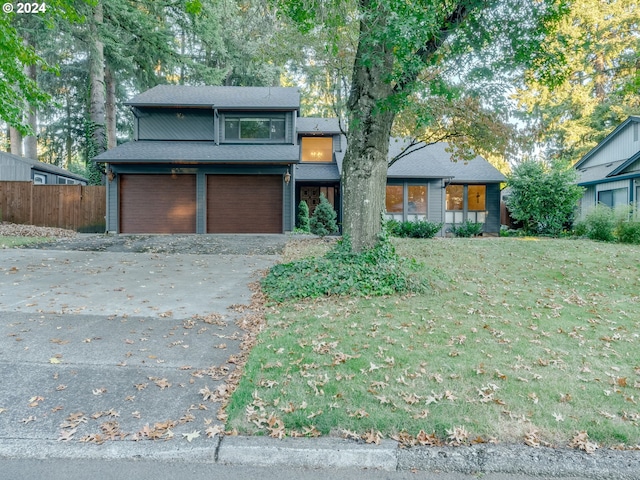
(74, 207)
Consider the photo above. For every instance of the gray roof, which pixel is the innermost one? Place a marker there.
(44, 167)
(255, 98)
(433, 161)
(317, 172)
(200, 152)
(315, 125)
(598, 173)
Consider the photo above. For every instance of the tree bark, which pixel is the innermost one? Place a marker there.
(110, 105)
(364, 173)
(31, 141)
(96, 84)
(16, 141)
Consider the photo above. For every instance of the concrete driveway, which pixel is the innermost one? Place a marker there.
(98, 347)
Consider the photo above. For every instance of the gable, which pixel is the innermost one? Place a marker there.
(620, 144)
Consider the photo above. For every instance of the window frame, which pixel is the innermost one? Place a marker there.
(405, 214)
(273, 118)
(612, 192)
(456, 217)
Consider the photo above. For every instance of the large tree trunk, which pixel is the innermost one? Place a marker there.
(15, 137)
(364, 170)
(31, 141)
(96, 81)
(110, 104)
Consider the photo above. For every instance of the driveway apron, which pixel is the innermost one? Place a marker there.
(109, 347)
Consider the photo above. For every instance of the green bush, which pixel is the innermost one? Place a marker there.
(628, 232)
(599, 224)
(303, 217)
(378, 271)
(543, 197)
(467, 229)
(323, 220)
(414, 229)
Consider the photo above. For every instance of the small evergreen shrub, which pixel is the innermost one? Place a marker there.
(413, 229)
(467, 229)
(374, 272)
(628, 232)
(323, 220)
(303, 216)
(600, 223)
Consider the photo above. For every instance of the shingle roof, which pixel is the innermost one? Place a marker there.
(317, 172)
(200, 152)
(597, 173)
(433, 161)
(45, 167)
(329, 126)
(257, 98)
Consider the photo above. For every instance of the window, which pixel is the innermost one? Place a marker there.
(613, 198)
(254, 128)
(66, 181)
(417, 199)
(39, 179)
(395, 199)
(466, 202)
(415, 207)
(455, 197)
(477, 196)
(317, 149)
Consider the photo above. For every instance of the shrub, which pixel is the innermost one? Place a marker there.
(378, 271)
(414, 229)
(599, 224)
(543, 197)
(323, 220)
(303, 216)
(628, 232)
(467, 229)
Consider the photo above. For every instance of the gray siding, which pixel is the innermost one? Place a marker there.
(621, 147)
(13, 170)
(175, 124)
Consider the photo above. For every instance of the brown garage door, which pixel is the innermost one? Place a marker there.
(244, 204)
(157, 203)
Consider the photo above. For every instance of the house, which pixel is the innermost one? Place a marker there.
(240, 159)
(610, 172)
(16, 168)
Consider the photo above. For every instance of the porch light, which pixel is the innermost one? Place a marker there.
(110, 175)
(287, 177)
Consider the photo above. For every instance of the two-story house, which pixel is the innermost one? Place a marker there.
(240, 159)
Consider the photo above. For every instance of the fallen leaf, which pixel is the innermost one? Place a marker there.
(214, 430)
(191, 436)
(54, 360)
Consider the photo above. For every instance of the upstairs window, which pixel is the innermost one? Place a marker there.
(317, 149)
(269, 129)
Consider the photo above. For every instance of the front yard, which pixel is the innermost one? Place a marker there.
(519, 340)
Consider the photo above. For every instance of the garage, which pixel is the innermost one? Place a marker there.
(157, 203)
(244, 204)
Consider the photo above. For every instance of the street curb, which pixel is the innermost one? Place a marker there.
(523, 460)
(307, 453)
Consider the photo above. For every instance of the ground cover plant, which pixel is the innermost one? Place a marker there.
(518, 340)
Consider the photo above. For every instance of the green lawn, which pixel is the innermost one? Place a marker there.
(519, 340)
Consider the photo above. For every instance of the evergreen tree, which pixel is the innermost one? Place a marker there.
(303, 216)
(323, 220)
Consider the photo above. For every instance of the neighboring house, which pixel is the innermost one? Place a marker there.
(15, 168)
(610, 172)
(240, 159)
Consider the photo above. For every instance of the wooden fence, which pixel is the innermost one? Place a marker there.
(74, 207)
